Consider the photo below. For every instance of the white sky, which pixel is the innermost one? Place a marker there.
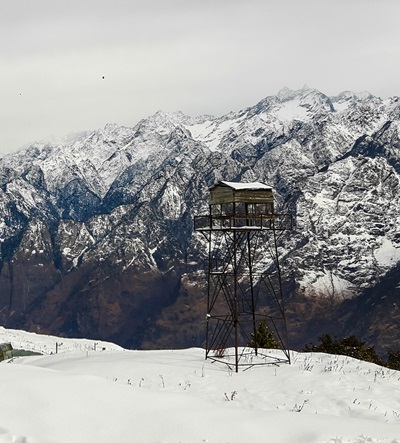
(198, 57)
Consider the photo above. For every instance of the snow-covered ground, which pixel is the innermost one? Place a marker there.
(92, 391)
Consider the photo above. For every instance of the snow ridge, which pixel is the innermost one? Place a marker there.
(325, 398)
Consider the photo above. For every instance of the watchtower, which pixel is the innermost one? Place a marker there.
(244, 276)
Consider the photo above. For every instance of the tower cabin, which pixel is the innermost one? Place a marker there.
(241, 204)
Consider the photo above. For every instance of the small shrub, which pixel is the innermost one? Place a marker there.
(263, 338)
(393, 361)
(220, 351)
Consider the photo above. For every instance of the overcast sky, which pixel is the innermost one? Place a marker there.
(194, 56)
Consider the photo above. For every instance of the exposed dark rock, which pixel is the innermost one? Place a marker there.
(97, 234)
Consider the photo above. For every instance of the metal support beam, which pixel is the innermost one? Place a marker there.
(244, 286)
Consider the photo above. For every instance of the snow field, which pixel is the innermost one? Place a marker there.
(175, 396)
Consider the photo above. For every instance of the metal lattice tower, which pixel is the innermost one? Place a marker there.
(244, 276)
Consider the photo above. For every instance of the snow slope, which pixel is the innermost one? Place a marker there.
(103, 393)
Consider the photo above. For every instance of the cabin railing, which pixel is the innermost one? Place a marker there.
(213, 222)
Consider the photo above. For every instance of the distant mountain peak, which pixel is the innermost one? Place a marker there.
(117, 204)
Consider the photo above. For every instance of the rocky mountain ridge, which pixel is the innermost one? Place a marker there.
(97, 233)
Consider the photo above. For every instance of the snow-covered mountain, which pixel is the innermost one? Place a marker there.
(97, 232)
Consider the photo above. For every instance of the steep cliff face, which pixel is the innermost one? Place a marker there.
(97, 234)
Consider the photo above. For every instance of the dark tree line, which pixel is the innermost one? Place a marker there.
(354, 347)
(350, 346)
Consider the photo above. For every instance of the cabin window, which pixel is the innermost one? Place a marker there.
(263, 208)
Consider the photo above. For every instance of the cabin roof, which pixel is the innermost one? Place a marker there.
(244, 186)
